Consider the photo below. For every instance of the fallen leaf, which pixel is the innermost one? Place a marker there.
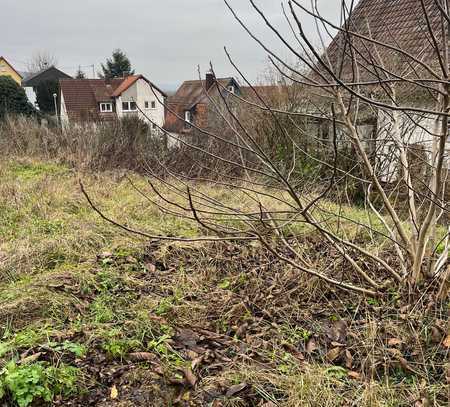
(311, 346)
(333, 354)
(354, 375)
(114, 392)
(242, 330)
(196, 362)
(235, 389)
(187, 338)
(405, 365)
(31, 358)
(338, 332)
(294, 351)
(105, 255)
(436, 334)
(150, 267)
(446, 343)
(191, 379)
(142, 356)
(394, 341)
(348, 359)
(395, 352)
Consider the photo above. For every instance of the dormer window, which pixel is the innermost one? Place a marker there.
(106, 107)
(129, 106)
(188, 116)
(231, 89)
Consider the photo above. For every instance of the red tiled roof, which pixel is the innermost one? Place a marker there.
(267, 92)
(81, 96)
(188, 95)
(400, 23)
(126, 83)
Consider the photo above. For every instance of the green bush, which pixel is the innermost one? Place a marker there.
(13, 99)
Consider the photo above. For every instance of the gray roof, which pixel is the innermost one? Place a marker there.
(50, 73)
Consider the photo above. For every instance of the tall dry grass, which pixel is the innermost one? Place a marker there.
(126, 144)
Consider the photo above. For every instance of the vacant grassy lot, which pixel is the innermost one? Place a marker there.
(89, 315)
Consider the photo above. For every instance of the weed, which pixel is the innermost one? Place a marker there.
(67, 346)
(373, 301)
(118, 348)
(101, 310)
(37, 381)
(295, 334)
(161, 346)
(166, 305)
(225, 284)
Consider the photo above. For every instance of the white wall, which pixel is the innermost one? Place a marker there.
(410, 129)
(31, 95)
(140, 93)
(63, 111)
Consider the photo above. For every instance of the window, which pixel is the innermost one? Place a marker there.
(153, 104)
(146, 105)
(188, 116)
(106, 107)
(231, 88)
(129, 106)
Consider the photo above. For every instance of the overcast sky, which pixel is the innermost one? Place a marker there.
(164, 39)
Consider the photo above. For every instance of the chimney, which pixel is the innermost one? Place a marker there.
(210, 79)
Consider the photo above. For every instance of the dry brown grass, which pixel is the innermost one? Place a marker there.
(57, 286)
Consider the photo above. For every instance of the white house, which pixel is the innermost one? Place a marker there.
(100, 100)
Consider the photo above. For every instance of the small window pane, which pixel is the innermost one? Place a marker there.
(153, 105)
(133, 106)
(146, 105)
(125, 106)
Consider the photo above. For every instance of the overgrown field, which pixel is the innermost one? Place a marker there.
(91, 316)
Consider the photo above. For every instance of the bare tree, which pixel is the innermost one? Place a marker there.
(41, 60)
(370, 95)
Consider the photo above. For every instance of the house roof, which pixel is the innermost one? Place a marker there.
(130, 81)
(188, 95)
(4, 59)
(82, 96)
(267, 92)
(50, 73)
(192, 92)
(400, 23)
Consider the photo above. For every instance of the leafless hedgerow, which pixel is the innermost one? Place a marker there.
(125, 144)
(370, 94)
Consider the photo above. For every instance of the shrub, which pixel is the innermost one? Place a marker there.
(13, 99)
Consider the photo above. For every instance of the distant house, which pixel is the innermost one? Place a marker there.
(6, 69)
(190, 106)
(100, 100)
(32, 80)
(403, 25)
